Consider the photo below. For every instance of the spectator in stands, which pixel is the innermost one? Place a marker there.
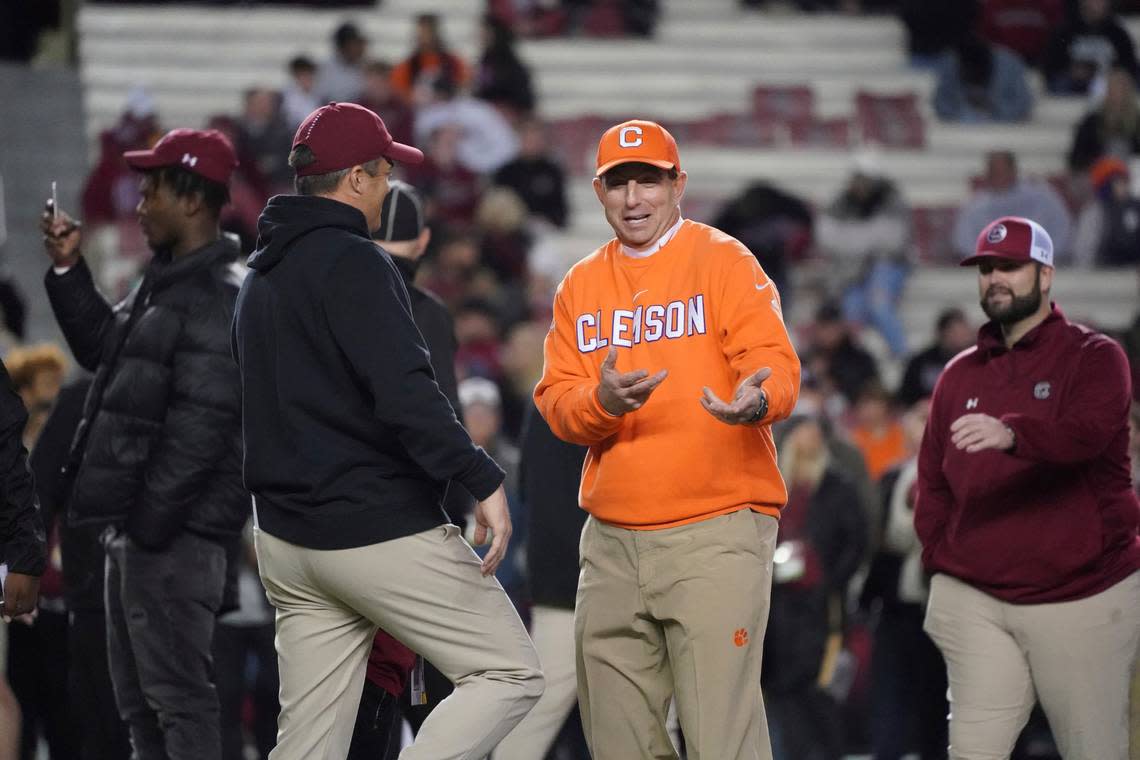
(537, 177)
(111, 191)
(486, 139)
(1087, 48)
(935, 26)
(453, 268)
(379, 97)
(299, 98)
(505, 242)
(480, 401)
(866, 235)
(264, 139)
(822, 538)
(979, 82)
(1003, 192)
(452, 190)
(37, 374)
(953, 334)
(908, 677)
(1023, 26)
(430, 62)
(478, 330)
(501, 78)
(876, 431)
(341, 77)
(1108, 228)
(835, 359)
(1113, 128)
(775, 225)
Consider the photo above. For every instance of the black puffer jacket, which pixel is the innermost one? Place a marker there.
(159, 447)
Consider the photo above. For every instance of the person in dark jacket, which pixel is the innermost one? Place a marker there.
(1028, 518)
(349, 446)
(156, 460)
(501, 77)
(404, 235)
(550, 473)
(101, 731)
(823, 534)
(1086, 48)
(1112, 128)
(953, 334)
(23, 545)
(538, 179)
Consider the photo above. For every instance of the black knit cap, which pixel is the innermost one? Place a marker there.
(401, 215)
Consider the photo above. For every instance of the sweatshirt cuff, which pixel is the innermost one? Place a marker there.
(485, 478)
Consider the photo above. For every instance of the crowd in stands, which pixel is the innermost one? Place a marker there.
(849, 667)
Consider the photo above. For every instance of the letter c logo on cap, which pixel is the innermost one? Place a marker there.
(624, 139)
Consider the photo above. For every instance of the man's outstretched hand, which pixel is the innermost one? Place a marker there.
(621, 392)
(746, 402)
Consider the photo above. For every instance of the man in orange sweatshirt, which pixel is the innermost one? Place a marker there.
(650, 333)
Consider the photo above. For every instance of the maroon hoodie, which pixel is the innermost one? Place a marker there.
(1056, 518)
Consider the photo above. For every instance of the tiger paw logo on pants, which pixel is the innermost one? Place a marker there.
(740, 638)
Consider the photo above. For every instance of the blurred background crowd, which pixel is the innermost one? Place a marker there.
(855, 146)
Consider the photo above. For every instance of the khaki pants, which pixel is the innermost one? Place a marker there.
(553, 632)
(428, 592)
(677, 613)
(1076, 657)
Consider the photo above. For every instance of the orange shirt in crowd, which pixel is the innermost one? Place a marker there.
(702, 308)
(430, 66)
(881, 451)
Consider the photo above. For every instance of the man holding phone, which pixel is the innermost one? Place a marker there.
(156, 462)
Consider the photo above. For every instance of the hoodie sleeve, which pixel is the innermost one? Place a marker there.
(370, 316)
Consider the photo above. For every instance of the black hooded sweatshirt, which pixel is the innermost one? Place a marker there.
(348, 439)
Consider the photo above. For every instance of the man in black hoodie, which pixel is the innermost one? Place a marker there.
(155, 463)
(349, 445)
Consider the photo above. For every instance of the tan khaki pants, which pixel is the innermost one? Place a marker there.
(1076, 657)
(677, 612)
(428, 592)
(553, 632)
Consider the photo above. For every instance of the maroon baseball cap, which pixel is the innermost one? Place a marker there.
(207, 153)
(1012, 238)
(342, 135)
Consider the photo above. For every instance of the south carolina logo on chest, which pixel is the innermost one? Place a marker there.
(625, 328)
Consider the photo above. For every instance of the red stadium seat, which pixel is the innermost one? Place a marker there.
(821, 133)
(893, 121)
(795, 103)
(933, 233)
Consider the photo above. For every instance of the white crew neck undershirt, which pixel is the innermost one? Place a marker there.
(661, 243)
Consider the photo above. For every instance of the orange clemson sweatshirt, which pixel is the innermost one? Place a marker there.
(702, 308)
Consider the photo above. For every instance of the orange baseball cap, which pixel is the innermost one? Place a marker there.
(639, 141)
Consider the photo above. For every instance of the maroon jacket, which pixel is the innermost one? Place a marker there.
(1056, 518)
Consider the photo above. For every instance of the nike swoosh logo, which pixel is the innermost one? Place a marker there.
(765, 285)
(638, 293)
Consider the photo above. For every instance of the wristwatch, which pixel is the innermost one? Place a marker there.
(761, 411)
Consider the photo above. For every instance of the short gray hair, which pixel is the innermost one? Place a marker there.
(322, 184)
